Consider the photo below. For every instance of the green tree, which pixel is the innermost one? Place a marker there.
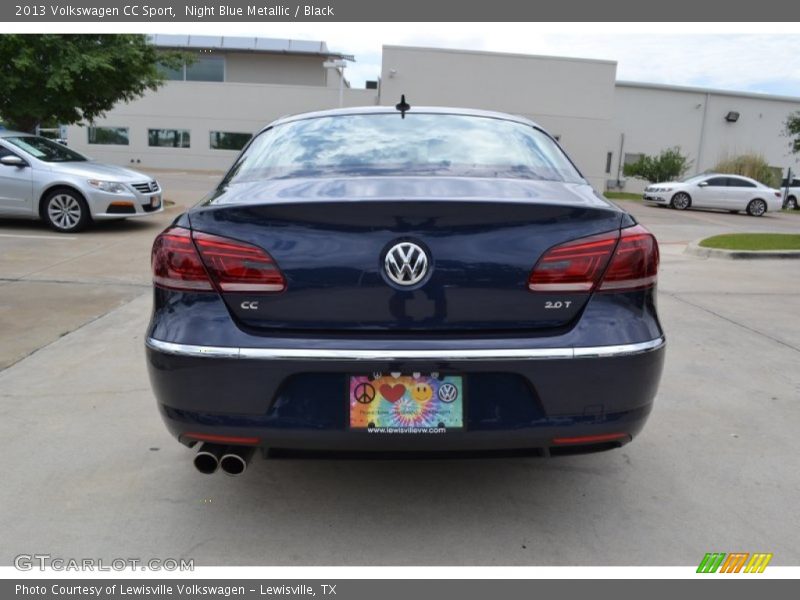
(64, 79)
(667, 166)
(792, 129)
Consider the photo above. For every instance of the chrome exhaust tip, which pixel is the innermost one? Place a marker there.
(235, 460)
(207, 458)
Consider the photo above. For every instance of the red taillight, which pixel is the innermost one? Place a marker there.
(622, 260)
(573, 267)
(590, 439)
(176, 264)
(223, 439)
(635, 262)
(239, 267)
(183, 260)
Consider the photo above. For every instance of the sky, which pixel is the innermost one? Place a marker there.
(755, 62)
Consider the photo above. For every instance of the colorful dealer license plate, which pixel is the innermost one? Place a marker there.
(413, 403)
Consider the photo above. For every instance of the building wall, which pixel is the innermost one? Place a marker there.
(653, 118)
(202, 107)
(570, 98)
(244, 67)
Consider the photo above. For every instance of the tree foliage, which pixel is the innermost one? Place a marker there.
(65, 79)
(792, 129)
(668, 165)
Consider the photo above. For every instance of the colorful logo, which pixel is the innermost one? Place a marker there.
(735, 562)
(406, 402)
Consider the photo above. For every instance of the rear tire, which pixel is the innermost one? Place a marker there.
(756, 208)
(680, 201)
(65, 210)
(791, 203)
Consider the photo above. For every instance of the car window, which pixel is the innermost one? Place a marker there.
(736, 182)
(418, 144)
(718, 181)
(45, 149)
(4, 152)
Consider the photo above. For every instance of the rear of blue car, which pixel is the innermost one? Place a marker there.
(407, 309)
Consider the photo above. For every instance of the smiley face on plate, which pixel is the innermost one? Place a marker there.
(421, 392)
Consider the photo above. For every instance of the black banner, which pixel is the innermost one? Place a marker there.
(372, 10)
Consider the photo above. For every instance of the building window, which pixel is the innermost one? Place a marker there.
(112, 136)
(226, 140)
(205, 67)
(168, 138)
(609, 156)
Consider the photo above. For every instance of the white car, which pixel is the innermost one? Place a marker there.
(793, 192)
(733, 193)
(42, 179)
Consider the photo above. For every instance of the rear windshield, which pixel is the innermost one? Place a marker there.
(44, 149)
(419, 144)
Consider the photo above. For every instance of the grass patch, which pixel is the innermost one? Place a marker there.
(622, 196)
(754, 241)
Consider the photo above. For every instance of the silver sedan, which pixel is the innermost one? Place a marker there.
(41, 179)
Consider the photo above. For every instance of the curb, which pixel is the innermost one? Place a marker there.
(695, 249)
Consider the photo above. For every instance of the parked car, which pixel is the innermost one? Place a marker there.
(431, 279)
(792, 190)
(733, 193)
(41, 179)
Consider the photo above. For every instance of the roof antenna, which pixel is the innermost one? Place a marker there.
(402, 106)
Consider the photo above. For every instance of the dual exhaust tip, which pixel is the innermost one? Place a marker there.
(233, 460)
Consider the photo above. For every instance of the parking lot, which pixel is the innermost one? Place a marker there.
(90, 471)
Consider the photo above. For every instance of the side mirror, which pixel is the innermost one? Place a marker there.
(13, 161)
(702, 184)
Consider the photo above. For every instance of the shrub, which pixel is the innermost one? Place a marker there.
(667, 166)
(750, 165)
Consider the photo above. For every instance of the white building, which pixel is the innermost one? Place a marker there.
(207, 110)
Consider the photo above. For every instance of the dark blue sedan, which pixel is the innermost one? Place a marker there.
(403, 280)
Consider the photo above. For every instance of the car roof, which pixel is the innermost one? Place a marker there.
(380, 110)
(730, 175)
(8, 133)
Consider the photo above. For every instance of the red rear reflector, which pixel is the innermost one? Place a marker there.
(635, 262)
(223, 439)
(588, 439)
(237, 266)
(573, 267)
(194, 261)
(624, 260)
(176, 264)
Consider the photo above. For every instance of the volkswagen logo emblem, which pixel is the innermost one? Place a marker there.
(406, 263)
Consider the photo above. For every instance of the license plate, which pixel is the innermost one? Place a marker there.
(155, 201)
(406, 403)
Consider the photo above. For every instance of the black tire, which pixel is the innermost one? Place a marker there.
(791, 202)
(681, 201)
(65, 210)
(756, 208)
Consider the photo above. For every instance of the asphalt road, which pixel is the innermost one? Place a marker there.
(90, 471)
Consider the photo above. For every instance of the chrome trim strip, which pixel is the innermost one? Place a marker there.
(383, 355)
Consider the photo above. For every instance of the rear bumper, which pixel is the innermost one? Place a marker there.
(515, 397)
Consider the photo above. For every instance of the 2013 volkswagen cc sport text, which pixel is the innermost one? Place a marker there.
(403, 279)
